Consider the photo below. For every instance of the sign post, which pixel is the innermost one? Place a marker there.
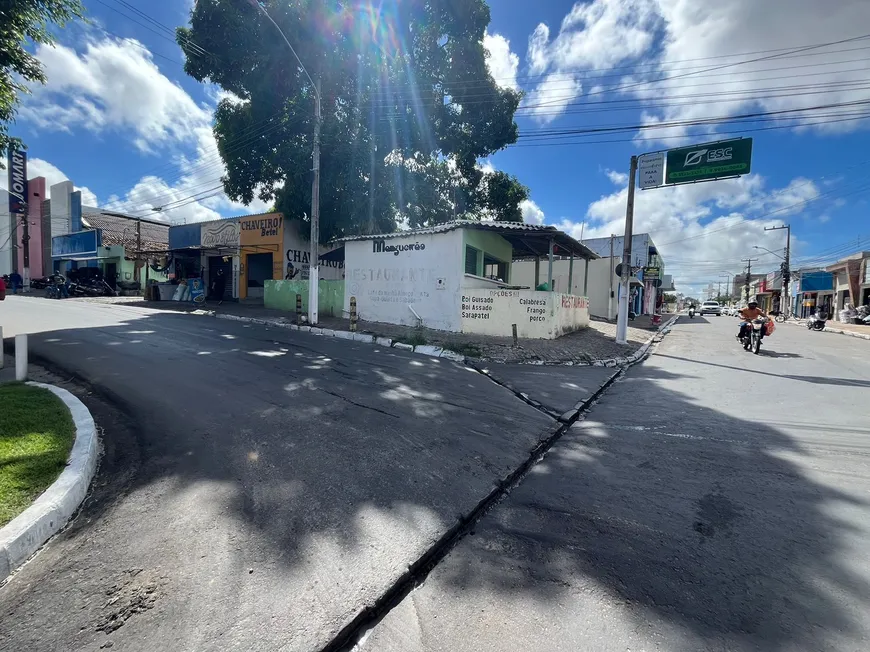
(17, 166)
(723, 159)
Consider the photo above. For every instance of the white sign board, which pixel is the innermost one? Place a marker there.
(537, 315)
(651, 170)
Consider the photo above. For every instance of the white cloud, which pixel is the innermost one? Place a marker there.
(503, 64)
(594, 35)
(112, 85)
(37, 167)
(720, 31)
(618, 178)
(702, 230)
(532, 213)
(691, 47)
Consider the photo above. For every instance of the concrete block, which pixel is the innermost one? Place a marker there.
(402, 346)
(314, 330)
(363, 337)
(452, 355)
(342, 335)
(384, 341)
(427, 349)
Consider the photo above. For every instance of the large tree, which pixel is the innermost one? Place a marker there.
(23, 22)
(409, 108)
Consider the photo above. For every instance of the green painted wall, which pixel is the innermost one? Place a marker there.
(281, 295)
(489, 243)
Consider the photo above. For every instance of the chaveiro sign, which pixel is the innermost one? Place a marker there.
(708, 161)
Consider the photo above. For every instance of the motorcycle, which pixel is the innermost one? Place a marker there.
(816, 322)
(692, 312)
(753, 334)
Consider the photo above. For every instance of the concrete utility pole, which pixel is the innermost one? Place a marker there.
(748, 262)
(786, 270)
(610, 296)
(25, 245)
(313, 269)
(622, 314)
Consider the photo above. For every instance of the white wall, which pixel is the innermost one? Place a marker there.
(60, 207)
(423, 272)
(597, 289)
(537, 315)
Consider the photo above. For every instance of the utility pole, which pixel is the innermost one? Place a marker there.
(622, 314)
(786, 268)
(313, 269)
(138, 262)
(25, 244)
(748, 262)
(610, 296)
(719, 290)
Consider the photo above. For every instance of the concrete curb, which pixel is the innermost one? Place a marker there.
(28, 531)
(836, 331)
(437, 351)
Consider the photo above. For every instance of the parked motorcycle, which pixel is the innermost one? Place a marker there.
(753, 334)
(816, 322)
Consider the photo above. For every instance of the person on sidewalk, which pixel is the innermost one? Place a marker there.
(218, 286)
(15, 281)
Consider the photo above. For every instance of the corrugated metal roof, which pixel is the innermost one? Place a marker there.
(451, 226)
(536, 234)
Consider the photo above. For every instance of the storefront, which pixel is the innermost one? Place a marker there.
(457, 277)
(815, 291)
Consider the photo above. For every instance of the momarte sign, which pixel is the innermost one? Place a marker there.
(17, 165)
(727, 158)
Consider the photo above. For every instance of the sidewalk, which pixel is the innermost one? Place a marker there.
(852, 330)
(586, 346)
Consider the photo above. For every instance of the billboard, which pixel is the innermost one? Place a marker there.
(708, 161)
(83, 244)
(16, 164)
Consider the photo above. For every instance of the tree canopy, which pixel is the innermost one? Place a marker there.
(22, 21)
(409, 108)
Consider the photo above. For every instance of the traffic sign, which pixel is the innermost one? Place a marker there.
(651, 170)
(725, 158)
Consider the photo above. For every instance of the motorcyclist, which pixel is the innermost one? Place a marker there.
(749, 313)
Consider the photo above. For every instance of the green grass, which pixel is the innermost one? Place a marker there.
(36, 434)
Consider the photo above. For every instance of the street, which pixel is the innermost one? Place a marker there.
(277, 483)
(284, 480)
(712, 500)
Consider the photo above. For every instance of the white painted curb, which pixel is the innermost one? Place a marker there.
(26, 533)
(836, 331)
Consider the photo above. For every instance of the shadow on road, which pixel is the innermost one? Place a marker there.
(818, 380)
(689, 524)
(318, 463)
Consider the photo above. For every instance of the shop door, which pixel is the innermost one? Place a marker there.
(259, 270)
(214, 264)
(112, 275)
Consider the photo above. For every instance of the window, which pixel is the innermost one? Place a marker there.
(471, 255)
(495, 269)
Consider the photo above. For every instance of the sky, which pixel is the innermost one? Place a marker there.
(602, 81)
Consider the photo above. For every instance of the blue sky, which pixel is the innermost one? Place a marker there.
(123, 121)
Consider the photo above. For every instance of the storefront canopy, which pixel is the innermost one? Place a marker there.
(527, 240)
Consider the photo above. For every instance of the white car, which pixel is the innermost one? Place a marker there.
(711, 308)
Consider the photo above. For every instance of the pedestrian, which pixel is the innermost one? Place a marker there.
(218, 286)
(15, 281)
(2, 289)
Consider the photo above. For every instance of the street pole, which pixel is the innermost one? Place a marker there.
(610, 276)
(748, 262)
(314, 267)
(622, 315)
(25, 244)
(138, 262)
(786, 272)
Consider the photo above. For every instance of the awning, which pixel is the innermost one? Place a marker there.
(635, 282)
(82, 259)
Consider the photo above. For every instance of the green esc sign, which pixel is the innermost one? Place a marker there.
(726, 158)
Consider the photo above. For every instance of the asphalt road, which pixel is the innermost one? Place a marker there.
(711, 500)
(267, 485)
